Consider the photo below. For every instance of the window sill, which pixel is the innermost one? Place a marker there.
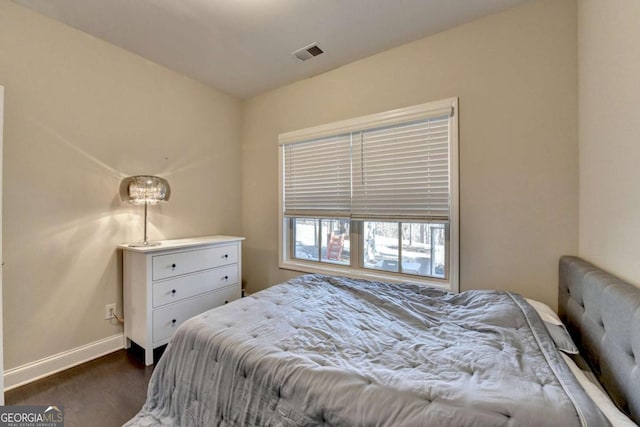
(336, 269)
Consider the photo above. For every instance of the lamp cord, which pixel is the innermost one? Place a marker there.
(118, 318)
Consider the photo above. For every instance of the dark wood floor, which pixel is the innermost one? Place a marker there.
(105, 392)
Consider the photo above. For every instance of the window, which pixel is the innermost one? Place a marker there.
(374, 197)
(324, 240)
(405, 247)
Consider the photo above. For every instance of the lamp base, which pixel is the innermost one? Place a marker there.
(144, 244)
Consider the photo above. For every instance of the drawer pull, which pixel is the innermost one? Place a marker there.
(173, 322)
(173, 291)
(226, 277)
(226, 302)
(173, 266)
(225, 256)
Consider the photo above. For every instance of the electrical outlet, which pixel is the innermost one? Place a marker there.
(109, 310)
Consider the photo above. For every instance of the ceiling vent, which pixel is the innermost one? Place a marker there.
(308, 52)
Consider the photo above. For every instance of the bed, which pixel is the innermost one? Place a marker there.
(323, 350)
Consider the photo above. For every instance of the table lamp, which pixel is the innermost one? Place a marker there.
(144, 190)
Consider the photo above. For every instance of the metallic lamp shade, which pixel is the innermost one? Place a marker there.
(144, 190)
(141, 189)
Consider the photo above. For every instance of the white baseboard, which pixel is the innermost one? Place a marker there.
(33, 371)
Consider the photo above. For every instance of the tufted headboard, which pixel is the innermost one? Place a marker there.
(602, 314)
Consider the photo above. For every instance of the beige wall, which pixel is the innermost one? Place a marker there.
(609, 105)
(81, 114)
(515, 75)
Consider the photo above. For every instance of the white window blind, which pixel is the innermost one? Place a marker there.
(317, 177)
(391, 169)
(402, 171)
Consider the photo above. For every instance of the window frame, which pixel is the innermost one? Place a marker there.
(355, 269)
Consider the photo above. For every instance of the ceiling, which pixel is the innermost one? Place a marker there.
(244, 47)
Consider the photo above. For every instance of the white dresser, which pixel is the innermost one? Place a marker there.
(167, 284)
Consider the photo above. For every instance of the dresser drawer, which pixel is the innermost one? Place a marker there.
(175, 264)
(182, 287)
(167, 319)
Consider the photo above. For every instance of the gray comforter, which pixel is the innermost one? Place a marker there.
(321, 350)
